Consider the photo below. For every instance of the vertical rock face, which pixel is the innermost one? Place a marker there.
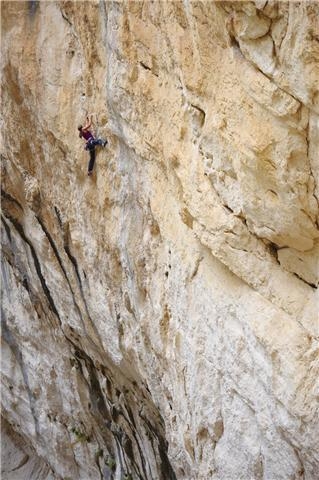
(160, 319)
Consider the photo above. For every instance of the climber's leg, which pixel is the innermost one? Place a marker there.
(91, 162)
(99, 141)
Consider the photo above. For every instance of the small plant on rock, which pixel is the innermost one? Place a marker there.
(80, 436)
(99, 453)
(111, 463)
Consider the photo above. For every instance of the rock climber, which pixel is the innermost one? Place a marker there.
(91, 142)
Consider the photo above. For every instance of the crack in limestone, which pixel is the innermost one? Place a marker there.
(270, 280)
(197, 264)
(37, 266)
(243, 221)
(272, 245)
(7, 229)
(66, 18)
(21, 464)
(312, 285)
(57, 255)
(76, 269)
(9, 197)
(251, 62)
(307, 136)
(55, 250)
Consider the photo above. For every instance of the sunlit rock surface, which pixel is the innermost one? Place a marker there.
(160, 319)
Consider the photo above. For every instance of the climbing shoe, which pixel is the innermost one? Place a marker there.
(105, 143)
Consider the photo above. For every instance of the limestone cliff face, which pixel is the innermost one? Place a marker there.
(160, 319)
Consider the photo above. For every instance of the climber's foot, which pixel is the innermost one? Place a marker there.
(90, 173)
(105, 143)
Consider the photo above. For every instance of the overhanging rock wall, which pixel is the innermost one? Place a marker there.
(160, 319)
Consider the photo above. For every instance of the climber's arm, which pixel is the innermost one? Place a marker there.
(88, 123)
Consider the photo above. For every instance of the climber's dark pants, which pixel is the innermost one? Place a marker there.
(92, 159)
(91, 147)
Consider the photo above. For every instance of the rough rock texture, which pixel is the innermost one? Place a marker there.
(18, 460)
(160, 319)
